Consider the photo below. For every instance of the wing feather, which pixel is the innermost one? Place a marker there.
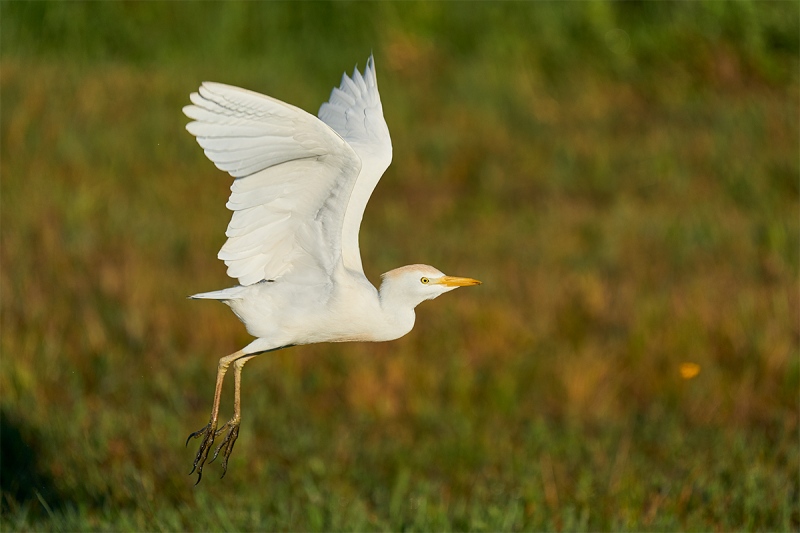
(301, 182)
(293, 178)
(354, 111)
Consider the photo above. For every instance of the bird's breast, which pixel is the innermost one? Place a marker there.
(357, 315)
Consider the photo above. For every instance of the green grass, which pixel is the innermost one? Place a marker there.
(622, 176)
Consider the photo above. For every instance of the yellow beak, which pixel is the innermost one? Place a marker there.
(452, 281)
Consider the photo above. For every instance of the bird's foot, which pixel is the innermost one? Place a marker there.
(226, 446)
(207, 433)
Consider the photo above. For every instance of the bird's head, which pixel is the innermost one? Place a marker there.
(414, 284)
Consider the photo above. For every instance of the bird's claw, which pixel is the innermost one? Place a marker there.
(197, 433)
(226, 446)
(209, 433)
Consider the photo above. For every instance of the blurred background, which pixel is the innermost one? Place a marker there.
(623, 177)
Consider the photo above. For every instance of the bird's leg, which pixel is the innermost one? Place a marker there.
(226, 446)
(209, 431)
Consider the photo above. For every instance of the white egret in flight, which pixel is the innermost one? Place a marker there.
(300, 187)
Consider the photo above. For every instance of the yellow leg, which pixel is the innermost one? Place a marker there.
(233, 423)
(210, 431)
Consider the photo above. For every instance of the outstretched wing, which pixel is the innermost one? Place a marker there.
(294, 177)
(354, 110)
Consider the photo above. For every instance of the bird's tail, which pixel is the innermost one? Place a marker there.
(225, 294)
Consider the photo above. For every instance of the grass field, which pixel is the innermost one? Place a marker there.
(622, 177)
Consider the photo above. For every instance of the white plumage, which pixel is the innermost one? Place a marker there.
(301, 185)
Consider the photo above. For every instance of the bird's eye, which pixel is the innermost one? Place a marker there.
(425, 281)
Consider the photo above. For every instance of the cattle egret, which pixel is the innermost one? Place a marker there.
(300, 187)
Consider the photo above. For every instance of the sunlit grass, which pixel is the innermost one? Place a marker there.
(630, 362)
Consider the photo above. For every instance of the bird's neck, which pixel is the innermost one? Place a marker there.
(397, 310)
